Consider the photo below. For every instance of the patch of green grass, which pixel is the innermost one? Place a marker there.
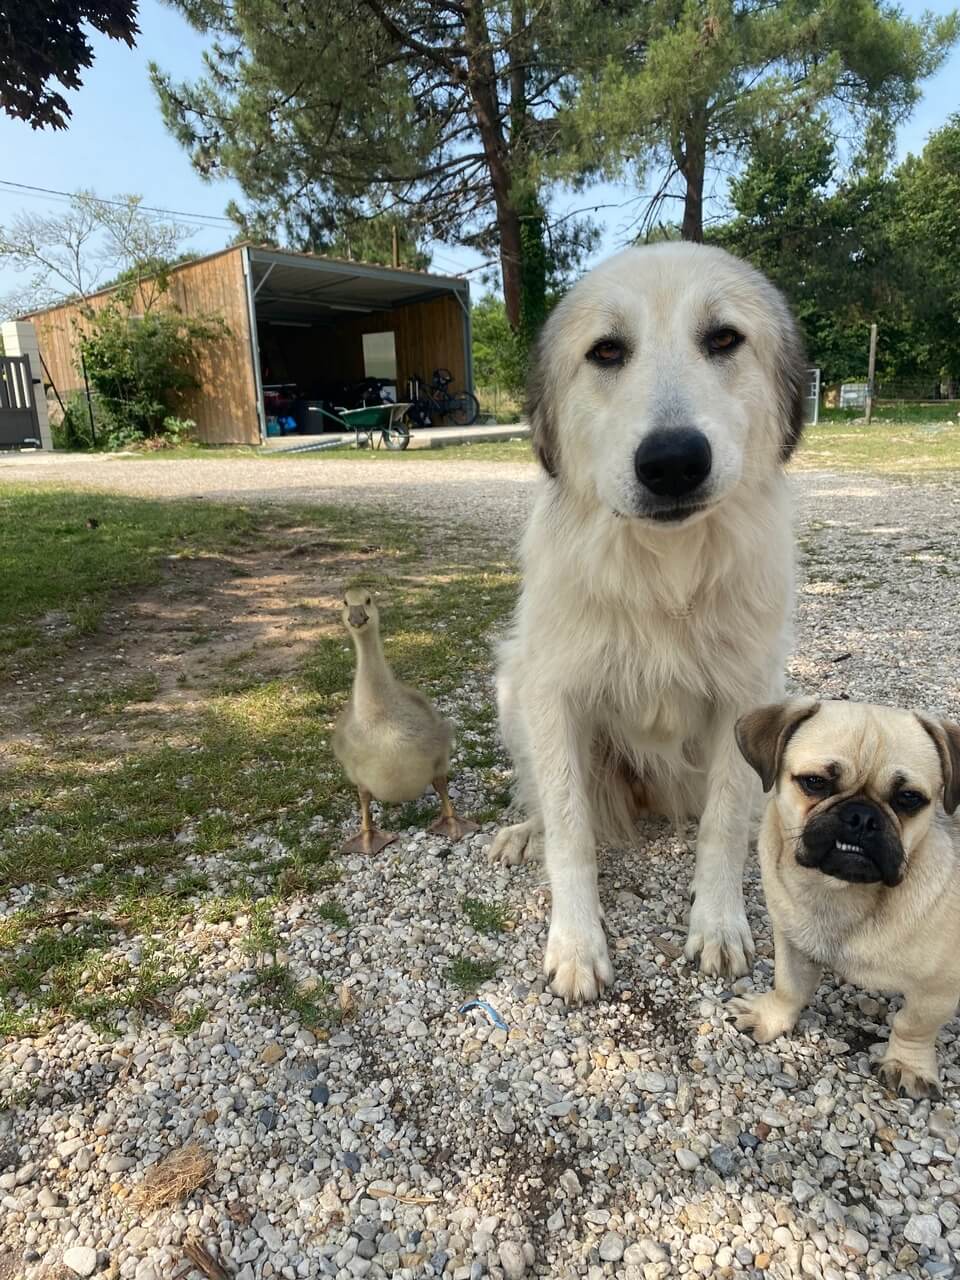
(913, 448)
(469, 974)
(184, 1024)
(897, 411)
(222, 910)
(277, 987)
(334, 914)
(485, 917)
(108, 701)
(261, 935)
(57, 973)
(57, 576)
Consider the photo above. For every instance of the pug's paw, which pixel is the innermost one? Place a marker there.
(766, 1016)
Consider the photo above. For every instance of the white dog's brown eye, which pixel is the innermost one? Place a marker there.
(909, 801)
(721, 342)
(607, 352)
(811, 784)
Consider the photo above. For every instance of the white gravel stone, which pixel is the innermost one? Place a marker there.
(512, 1260)
(82, 1261)
(923, 1228)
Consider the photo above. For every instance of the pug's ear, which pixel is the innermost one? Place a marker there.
(762, 735)
(541, 411)
(946, 738)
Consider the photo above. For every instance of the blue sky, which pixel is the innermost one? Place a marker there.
(117, 143)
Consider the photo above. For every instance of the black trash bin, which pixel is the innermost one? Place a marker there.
(310, 417)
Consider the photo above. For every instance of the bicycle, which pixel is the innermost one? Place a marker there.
(437, 400)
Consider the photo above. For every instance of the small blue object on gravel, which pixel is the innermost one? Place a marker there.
(488, 1009)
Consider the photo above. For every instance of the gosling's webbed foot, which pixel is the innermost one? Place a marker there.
(368, 842)
(453, 827)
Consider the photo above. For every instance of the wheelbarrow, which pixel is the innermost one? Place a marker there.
(365, 423)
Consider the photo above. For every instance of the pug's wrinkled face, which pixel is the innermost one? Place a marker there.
(857, 785)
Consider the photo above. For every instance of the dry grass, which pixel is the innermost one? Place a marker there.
(174, 1179)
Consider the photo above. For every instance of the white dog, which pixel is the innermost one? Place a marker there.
(657, 583)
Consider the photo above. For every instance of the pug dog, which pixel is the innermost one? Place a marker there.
(861, 868)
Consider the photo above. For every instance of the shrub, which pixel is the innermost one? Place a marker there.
(139, 366)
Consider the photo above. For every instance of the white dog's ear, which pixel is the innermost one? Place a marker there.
(762, 735)
(541, 411)
(946, 738)
(791, 376)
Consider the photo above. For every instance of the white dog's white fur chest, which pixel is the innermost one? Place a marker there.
(655, 628)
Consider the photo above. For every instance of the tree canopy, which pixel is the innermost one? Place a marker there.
(696, 86)
(444, 113)
(874, 243)
(44, 43)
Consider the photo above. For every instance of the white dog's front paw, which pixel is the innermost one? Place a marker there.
(577, 963)
(513, 845)
(766, 1016)
(720, 936)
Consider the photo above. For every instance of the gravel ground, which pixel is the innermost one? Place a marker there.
(642, 1138)
(447, 494)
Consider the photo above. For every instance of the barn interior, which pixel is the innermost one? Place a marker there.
(336, 335)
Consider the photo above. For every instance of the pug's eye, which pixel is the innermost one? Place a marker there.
(908, 801)
(608, 353)
(720, 342)
(812, 784)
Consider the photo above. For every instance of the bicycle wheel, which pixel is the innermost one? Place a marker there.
(397, 436)
(463, 408)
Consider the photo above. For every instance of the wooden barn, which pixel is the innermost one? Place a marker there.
(304, 333)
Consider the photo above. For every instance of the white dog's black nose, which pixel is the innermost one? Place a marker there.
(672, 463)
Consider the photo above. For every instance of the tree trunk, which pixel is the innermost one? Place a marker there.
(511, 260)
(482, 84)
(693, 164)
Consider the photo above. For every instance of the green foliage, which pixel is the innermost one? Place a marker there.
(140, 366)
(696, 85)
(469, 974)
(869, 245)
(154, 268)
(498, 359)
(485, 917)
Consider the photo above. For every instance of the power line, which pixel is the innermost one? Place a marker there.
(146, 208)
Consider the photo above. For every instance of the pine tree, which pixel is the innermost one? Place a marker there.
(444, 113)
(700, 82)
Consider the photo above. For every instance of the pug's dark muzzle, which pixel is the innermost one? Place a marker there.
(855, 841)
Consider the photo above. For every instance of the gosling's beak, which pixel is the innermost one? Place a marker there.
(357, 615)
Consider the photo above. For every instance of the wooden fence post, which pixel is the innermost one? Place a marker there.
(871, 368)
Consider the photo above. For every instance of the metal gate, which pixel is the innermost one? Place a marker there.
(18, 405)
(811, 398)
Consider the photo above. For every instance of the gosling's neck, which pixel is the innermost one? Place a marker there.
(373, 676)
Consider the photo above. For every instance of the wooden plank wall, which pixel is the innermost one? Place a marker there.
(224, 405)
(429, 335)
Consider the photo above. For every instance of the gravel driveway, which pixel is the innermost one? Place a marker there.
(493, 495)
(642, 1138)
